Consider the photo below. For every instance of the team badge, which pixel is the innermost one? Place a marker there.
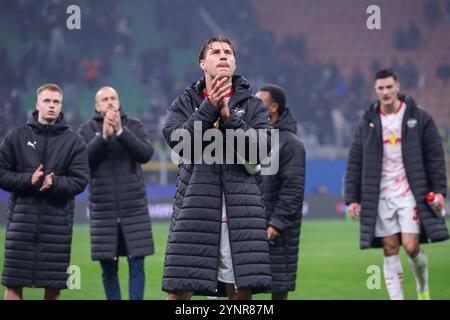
(411, 123)
(240, 112)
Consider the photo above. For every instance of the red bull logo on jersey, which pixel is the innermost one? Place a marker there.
(393, 140)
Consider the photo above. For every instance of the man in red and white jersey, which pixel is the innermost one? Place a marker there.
(395, 159)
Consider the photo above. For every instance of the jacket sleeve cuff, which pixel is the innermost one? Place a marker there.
(278, 224)
(210, 111)
(439, 190)
(100, 140)
(229, 122)
(118, 133)
(124, 134)
(349, 200)
(26, 181)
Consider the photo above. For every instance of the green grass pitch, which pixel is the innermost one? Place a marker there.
(331, 266)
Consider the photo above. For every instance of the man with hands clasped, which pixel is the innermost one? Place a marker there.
(119, 219)
(218, 214)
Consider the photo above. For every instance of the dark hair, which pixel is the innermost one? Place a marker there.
(277, 94)
(386, 73)
(205, 47)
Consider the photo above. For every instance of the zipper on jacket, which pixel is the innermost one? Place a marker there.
(220, 233)
(115, 189)
(117, 209)
(404, 158)
(229, 239)
(231, 251)
(41, 197)
(218, 255)
(377, 122)
(36, 236)
(116, 201)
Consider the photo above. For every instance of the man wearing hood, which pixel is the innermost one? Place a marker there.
(283, 194)
(119, 219)
(217, 235)
(44, 166)
(395, 158)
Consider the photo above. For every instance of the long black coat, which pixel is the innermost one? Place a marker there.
(39, 230)
(283, 199)
(192, 254)
(117, 197)
(424, 162)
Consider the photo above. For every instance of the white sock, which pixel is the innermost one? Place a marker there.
(393, 275)
(419, 267)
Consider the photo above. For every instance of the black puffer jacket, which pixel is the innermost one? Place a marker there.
(117, 197)
(192, 255)
(283, 198)
(39, 230)
(424, 162)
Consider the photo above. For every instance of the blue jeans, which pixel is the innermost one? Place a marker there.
(111, 281)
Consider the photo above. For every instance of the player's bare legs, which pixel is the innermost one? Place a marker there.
(52, 294)
(418, 262)
(391, 245)
(393, 271)
(241, 294)
(280, 296)
(410, 243)
(13, 293)
(179, 296)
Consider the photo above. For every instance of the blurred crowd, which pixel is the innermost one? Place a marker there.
(162, 61)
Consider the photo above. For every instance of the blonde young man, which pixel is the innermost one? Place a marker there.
(43, 165)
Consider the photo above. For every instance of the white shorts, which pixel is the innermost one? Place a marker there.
(397, 214)
(226, 274)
